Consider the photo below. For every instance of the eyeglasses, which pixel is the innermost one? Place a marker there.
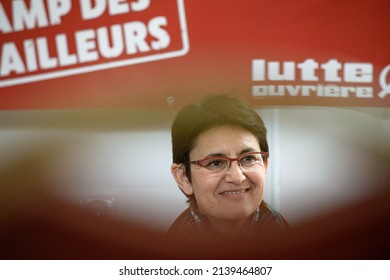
(218, 164)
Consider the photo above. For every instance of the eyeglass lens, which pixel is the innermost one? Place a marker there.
(221, 163)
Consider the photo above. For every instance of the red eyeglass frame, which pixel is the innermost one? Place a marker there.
(200, 161)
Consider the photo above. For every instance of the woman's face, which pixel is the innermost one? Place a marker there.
(236, 193)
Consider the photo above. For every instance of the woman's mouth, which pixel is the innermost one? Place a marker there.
(235, 192)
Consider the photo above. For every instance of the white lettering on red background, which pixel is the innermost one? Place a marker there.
(311, 78)
(99, 47)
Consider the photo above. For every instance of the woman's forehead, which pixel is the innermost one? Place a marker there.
(225, 140)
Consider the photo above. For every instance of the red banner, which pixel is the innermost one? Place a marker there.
(161, 54)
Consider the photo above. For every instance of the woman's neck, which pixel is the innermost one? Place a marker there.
(228, 228)
(221, 226)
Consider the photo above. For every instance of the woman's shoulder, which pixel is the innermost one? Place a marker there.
(183, 224)
(271, 218)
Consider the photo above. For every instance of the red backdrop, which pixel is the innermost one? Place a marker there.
(162, 54)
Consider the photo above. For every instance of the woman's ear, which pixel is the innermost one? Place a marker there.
(266, 164)
(178, 172)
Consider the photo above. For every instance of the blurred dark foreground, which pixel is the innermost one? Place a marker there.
(54, 229)
(36, 224)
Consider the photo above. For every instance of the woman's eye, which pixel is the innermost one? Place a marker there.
(249, 159)
(214, 164)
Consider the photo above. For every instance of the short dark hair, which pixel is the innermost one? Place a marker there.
(209, 112)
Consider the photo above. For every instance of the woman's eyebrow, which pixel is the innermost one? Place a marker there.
(244, 151)
(216, 155)
(248, 150)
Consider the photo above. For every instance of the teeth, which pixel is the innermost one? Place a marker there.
(235, 192)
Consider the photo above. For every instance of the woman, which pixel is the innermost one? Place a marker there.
(220, 158)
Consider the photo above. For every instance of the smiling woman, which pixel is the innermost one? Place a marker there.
(220, 158)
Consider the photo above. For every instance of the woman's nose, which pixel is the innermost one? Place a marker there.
(234, 173)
